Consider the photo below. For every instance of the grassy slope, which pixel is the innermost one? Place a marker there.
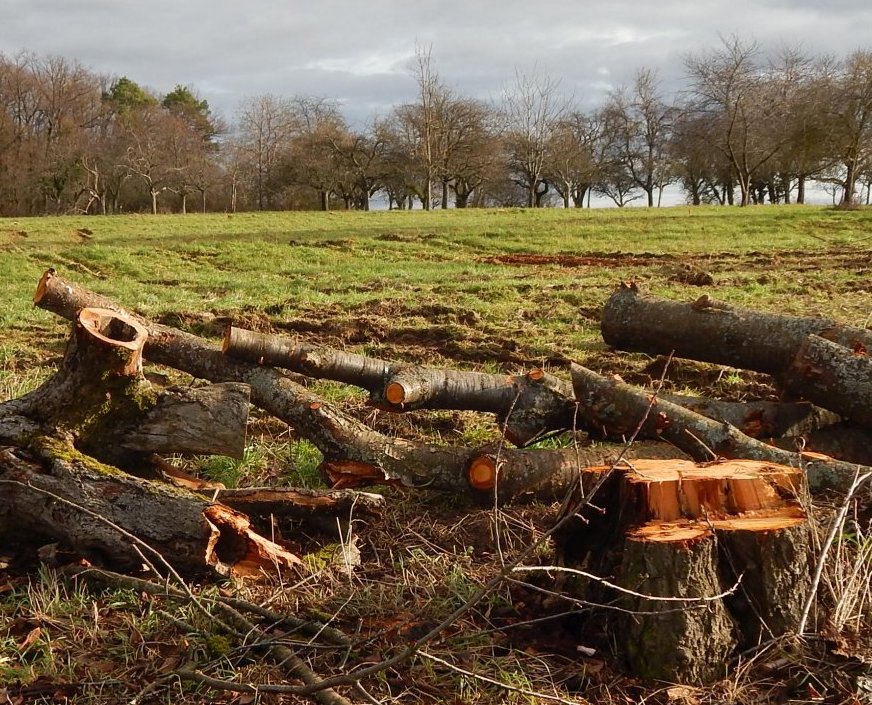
(304, 263)
(419, 286)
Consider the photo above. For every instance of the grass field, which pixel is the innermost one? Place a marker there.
(477, 289)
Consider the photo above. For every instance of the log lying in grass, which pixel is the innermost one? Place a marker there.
(354, 454)
(57, 493)
(713, 331)
(99, 407)
(527, 406)
(760, 419)
(844, 441)
(620, 409)
(708, 558)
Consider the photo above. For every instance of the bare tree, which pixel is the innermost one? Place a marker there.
(266, 124)
(532, 108)
(643, 125)
(728, 88)
(851, 120)
(571, 164)
(427, 117)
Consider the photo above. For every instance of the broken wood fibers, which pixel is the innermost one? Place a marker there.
(708, 557)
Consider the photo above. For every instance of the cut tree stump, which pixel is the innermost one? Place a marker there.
(708, 558)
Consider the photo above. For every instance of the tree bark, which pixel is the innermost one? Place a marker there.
(527, 407)
(59, 493)
(99, 398)
(713, 331)
(619, 409)
(665, 640)
(833, 376)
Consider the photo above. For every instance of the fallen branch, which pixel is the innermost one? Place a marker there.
(617, 408)
(527, 406)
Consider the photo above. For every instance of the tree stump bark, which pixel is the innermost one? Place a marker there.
(708, 558)
(667, 639)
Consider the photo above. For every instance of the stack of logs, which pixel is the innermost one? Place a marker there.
(699, 510)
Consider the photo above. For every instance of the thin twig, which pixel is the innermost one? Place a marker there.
(613, 586)
(835, 527)
(493, 681)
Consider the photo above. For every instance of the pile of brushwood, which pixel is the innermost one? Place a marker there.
(691, 525)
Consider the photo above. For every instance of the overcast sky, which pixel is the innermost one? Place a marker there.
(358, 51)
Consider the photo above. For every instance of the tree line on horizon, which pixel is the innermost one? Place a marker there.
(745, 130)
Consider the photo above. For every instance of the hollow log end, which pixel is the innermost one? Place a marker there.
(236, 547)
(108, 331)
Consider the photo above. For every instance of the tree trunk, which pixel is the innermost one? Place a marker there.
(712, 331)
(99, 398)
(59, 494)
(527, 406)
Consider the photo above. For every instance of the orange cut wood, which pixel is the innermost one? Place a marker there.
(482, 473)
(666, 490)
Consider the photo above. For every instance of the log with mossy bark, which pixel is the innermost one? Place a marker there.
(100, 399)
(97, 414)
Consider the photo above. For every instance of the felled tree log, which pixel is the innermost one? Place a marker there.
(833, 376)
(713, 331)
(707, 558)
(100, 398)
(55, 492)
(760, 419)
(354, 454)
(619, 409)
(330, 511)
(843, 441)
(527, 406)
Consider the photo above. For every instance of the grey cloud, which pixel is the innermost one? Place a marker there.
(358, 52)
